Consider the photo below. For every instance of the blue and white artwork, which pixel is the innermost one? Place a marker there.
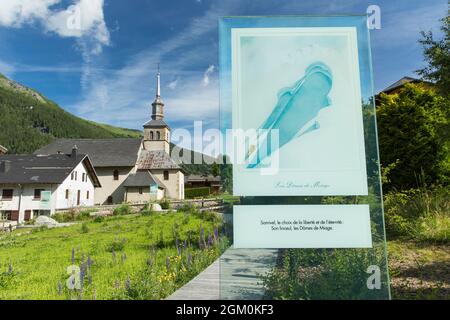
(304, 85)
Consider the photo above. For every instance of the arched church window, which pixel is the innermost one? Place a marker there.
(158, 135)
(151, 135)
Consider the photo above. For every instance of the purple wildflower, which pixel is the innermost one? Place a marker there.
(73, 256)
(114, 256)
(149, 263)
(124, 257)
(59, 288)
(10, 268)
(82, 273)
(89, 262)
(128, 284)
(216, 234)
(210, 241)
(90, 279)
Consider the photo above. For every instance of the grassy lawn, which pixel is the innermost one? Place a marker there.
(121, 257)
(419, 270)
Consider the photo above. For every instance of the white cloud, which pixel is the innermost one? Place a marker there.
(6, 68)
(207, 74)
(130, 90)
(15, 13)
(84, 19)
(173, 84)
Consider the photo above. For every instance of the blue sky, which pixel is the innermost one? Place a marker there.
(104, 69)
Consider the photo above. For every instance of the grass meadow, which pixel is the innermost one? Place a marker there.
(121, 257)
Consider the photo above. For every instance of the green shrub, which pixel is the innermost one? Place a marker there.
(434, 227)
(116, 245)
(83, 215)
(84, 227)
(421, 214)
(413, 128)
(160, 243)
(99, 219)
(165, 204)
(191, 193)
(325, 274)
(122, 210)
(189, 208)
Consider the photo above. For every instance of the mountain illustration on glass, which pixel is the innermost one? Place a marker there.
(296, 107)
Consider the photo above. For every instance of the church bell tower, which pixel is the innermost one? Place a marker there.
(156, 131)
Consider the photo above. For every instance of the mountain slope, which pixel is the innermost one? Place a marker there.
(28, 120)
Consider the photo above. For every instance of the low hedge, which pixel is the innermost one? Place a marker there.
(197, 192)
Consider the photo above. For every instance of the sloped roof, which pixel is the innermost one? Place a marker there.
(399, 84)
(142, 178)
(102, 152)
(155, 124)
(155, 160)
(197, 178)
(52, 169)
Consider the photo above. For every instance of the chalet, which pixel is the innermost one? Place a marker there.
(199, 181)
(123, 165)
(32, 185)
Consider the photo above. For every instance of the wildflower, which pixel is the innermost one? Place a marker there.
(114, 256)
(167, 263)
(59, 288)
(216, 234)
(124, 257)
(82, 273)
(90, 279)
(89, 262)
(73, 256)
(210, 241)
(128, 284)
(10, 268)
(149, 263)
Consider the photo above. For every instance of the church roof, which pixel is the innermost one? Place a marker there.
(155, 160)
(156, 124)
(142, 178)
(102, 152)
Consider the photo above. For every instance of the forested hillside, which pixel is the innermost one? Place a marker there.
(29, 121)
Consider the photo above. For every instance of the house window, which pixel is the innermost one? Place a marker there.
(109, 200)
(83, 177)
(5, 215)
(166, 175)
(37, 194)
(78, 197)
(87, 195)
(67, 193)
(76, 175)
(72, 175)
(140, 190)
(7, 194)
(116, 174)
(158, 135)
(151, 135)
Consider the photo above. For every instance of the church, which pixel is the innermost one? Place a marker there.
(130, 169)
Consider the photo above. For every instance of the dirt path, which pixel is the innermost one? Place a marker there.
(419, 271)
